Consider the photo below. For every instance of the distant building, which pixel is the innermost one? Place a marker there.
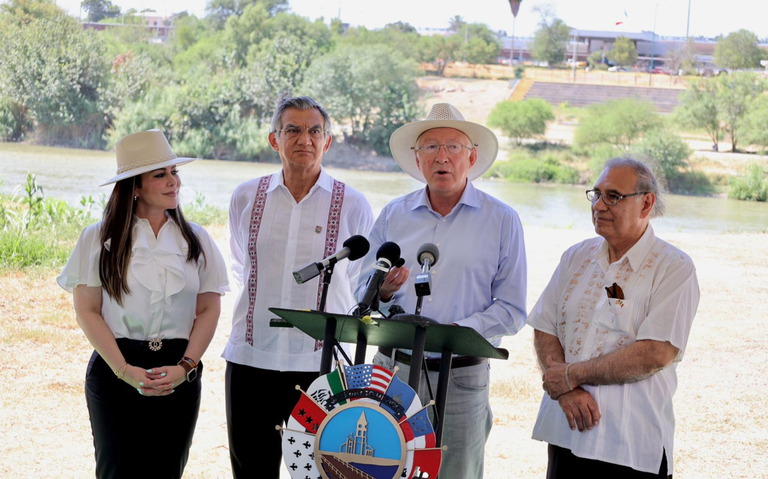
(159, 27)
(650, 46)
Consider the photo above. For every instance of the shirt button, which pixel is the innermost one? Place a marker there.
(434, 271)
(442, 220)
(429, 299)
(438, 245)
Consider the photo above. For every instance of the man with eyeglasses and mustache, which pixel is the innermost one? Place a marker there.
(611, 327)
(480, 280)
(279, 223)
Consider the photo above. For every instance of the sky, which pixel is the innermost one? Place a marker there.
(707, 17)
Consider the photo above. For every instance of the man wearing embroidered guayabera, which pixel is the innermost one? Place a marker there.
(611, 327)
(480, 280)
(278, 224)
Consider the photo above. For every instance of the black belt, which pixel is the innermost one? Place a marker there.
(433, 364)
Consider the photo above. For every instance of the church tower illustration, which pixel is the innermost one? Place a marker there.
(357, 441)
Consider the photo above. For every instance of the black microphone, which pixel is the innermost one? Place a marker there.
(354, 248)
(387, 256)
(427, 256)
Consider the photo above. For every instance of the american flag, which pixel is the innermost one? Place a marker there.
(368, 376)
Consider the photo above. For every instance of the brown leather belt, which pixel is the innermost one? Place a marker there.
(433, 364)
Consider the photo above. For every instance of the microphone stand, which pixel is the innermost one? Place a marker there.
(330, 325)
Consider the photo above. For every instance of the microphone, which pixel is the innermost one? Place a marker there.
(427, 256)
(387, 256)
(354, 248)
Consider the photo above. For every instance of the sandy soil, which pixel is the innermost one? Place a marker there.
(722, 423)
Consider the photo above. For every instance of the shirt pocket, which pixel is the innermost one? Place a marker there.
(616, 316)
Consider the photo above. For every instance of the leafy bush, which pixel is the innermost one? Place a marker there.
(549, 167)
(619, 123)
(669, 153)
(203, 213)
(14, 120)
(598, 156)
(751, 185)
(38, 231)
(521, 119)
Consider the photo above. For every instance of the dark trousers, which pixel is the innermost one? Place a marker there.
(564, 465)
(257, 401)
(141, 436)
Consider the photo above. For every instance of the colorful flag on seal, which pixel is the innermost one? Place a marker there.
(299, 454)
(421, 428)
(426, 463)
(326, 387)
(368, 377)
(308, 414)
(404, 395)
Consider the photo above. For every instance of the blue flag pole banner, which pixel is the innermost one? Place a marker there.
(369, 425)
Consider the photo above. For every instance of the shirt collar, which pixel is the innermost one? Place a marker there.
(324, 181)
(469, 197)
(635, 255)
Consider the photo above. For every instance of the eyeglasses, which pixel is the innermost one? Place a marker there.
(295, 131)
(610, 199)
(432, 149)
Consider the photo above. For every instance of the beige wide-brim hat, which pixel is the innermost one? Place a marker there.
(402, 143)
(142, 152)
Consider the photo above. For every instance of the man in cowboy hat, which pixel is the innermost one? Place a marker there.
(278, 224)
(480, 281)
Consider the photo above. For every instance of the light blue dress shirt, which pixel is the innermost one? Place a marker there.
(479, 280)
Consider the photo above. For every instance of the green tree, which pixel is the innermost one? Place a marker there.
(370, 91)
(736, 93)
(739, 50)
(698, 109)
(438, 50)
(756, 124)
(402, 27)
(55, 69)
(669, 153)
(275, 69)
(100, 9)
(683, 58)
(550, 39)
(218, 11)
(25, 11)
(456, 24)
(623, 52)
(479, 44)
(618, 122)
(521, 119)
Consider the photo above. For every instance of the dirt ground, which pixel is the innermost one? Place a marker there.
(722, 423)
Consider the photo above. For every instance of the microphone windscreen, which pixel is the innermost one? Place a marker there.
(390, 251)
(358, 247)
(428, 249)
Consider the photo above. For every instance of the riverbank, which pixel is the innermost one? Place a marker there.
(722, 425)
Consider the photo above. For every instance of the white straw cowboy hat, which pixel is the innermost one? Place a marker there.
(142, 152)
(443, 115)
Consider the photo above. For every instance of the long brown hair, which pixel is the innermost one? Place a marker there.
(117, 228)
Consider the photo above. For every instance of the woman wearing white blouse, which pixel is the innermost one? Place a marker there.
(147, 289)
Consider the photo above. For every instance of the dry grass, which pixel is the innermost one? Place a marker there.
(722, 423)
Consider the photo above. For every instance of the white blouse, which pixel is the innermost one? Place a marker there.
(163, 285)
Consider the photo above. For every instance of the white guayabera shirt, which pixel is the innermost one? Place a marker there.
(291, 235)
(661, 294)
(163, 284)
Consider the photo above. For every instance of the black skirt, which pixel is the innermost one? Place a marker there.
(141, 436)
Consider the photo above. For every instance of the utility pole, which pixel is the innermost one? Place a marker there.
(688, 25)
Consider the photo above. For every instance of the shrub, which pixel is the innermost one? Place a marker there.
(521, 119)
(619, 123)
(549, 167)
(668, 151)
(751, 185)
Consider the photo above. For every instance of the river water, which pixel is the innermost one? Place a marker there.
(71, 173)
